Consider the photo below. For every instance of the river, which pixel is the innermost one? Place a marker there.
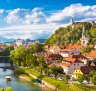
(16, 84)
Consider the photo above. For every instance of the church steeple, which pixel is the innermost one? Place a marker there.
(71, 21)
(84, 40)
(83, 32)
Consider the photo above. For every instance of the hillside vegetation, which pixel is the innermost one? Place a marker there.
(66, 35)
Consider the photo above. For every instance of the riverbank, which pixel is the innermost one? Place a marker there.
(6, 89)
(25, 76)
(57, 84)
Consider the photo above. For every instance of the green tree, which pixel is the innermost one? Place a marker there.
(56, 70)
(81, 78)
(93, 32)
(67, 77)
(86, 49)
(42, 64)
(19, 56)
(31, 61)
(93, 77)
(36, 47)
(7, 50)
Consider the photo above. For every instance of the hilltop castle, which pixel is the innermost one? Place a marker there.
(84, 40)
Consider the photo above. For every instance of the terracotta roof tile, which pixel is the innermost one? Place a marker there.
(91, 54)
(74, 46)
(64, 64)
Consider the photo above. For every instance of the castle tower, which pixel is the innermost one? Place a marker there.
(93, 23)
(84, 40)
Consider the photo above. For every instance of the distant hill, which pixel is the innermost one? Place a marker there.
(3, 40)
(66, 35)
(40, 40)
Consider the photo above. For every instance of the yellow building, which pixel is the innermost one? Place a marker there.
(83, 70)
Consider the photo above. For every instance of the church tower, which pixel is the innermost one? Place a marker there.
(72, 23)
(84, 40)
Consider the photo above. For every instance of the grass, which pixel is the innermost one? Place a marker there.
(61, 85)
(82, 87)
(6, 89)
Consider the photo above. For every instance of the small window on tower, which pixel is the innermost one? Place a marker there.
(83, 42)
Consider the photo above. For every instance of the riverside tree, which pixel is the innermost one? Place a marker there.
(56, 70)
(42, 64)
(93, 77)
(81, 78)
(18, 55)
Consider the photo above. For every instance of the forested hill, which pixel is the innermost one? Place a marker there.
(66, 35)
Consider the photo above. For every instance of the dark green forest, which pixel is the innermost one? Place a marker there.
(66, 35)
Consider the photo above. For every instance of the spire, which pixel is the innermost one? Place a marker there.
(83, 32)
(72, 21)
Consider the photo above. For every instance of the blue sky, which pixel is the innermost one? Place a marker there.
(40, 18)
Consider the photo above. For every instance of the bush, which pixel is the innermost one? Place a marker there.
(8, 89)
(19, 71)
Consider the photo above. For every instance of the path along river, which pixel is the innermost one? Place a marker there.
(16, 84)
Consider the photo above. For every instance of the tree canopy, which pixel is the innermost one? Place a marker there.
(66, 35)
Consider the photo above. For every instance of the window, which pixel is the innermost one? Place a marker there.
(77, 64)
(83, 42)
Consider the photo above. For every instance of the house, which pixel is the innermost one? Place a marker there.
(91, 55)
(19, 42)
(53, 64)
(83, 70)
(53, 58)
(2, 47)
(70, 63)
(64, 53)
(81, 57)
(74, 46)
(46, 47)
(54, 49)
(71, 49)
(92, 63)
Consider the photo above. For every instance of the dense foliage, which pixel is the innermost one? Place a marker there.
(66, 35)
(60, 84)
(6, 51)
(22, 56)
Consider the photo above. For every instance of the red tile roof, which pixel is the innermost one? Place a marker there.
(79, 56)
(53, 56)
(64, 64)
(74, 46)
(91, 54)
(46, 46)
(70, 61)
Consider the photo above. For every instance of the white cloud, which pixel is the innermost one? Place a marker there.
(16, 16)
(36, 16)
(2, 11)
(37, 24)
(78, 11)
(33, 31)
(25, 16)
(37, 9)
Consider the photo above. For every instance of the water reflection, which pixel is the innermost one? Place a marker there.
(16, 84)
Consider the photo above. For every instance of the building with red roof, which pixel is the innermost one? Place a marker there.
(83, 70)
(70, 63)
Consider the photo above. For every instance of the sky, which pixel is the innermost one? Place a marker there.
(38, 19)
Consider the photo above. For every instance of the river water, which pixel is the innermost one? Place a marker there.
(16, 84)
